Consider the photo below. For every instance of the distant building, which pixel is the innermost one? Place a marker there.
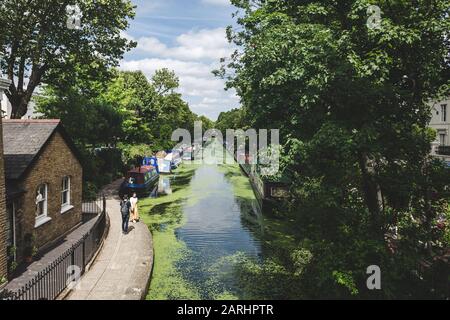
(440, 122)
(43, 185)
(6, 109)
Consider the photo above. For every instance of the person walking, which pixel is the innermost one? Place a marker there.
(125, 207)
(134, 208)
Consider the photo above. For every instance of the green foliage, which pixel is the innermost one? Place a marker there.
(36, 43)
(346, 280)
(130, 153)
(101, 166)
(128, 112)
(207, 123)
(234, 119)
(352, 107)
(165, 81)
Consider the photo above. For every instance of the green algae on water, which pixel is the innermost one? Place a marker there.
(163, 216)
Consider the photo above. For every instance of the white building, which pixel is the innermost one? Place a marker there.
(6, 109)
(440, 121)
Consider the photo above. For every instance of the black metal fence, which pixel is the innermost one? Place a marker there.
(65, 270)
(444, 150)
(93, 208)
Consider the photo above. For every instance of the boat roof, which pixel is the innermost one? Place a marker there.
(142, 169)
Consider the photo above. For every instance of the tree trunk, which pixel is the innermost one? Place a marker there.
(19, 104)
(372, 193)
(19, 98)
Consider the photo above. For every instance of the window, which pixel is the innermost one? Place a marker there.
(41, 202)
(65, 193)
(442, 138)
(444, 113)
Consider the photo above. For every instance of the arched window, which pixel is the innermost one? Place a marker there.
(41, 202)
(65, 192)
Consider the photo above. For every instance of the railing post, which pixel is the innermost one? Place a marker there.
(83, 255)
(104, 204)
(72, 257)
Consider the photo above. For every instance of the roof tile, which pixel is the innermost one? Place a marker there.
(22, 141)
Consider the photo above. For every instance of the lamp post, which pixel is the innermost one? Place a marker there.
(4, 84)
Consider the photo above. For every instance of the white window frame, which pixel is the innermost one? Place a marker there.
(43, 218)
(443, 113)
(68, 190)
(65, 190)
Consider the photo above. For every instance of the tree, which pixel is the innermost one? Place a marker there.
(206, 123)
(37, 46)
(126, 97)
(165, 81)
(233, 119)
(352, 106)
(145, 95)
(89, 118)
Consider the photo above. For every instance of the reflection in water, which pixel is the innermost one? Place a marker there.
(214, 222)
(164, 187)
(218, 225)
(221, 236)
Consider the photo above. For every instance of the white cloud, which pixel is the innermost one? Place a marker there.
(205, 44)
(217, 2)
(204, 92)
(193, 56)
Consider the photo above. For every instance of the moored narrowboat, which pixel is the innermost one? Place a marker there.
(270, 191)
(141, 180)
(165, 166)
(188, 154)
(151, 161)
(175, 159)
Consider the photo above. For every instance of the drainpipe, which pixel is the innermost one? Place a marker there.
(4, 85)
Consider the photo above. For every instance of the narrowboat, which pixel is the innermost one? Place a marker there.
(188, 154)
(151, 161)
(175, 159)
(270, 191)
(165, 166)
(141, 180)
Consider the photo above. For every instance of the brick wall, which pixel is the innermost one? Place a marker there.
(3, 252)
(56, 162)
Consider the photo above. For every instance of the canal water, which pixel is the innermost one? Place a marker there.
(211, 241)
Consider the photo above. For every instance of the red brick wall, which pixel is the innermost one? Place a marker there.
(54, 163)
(3, 252)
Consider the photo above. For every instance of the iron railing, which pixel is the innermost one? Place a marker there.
(444, 150)
(66, 269)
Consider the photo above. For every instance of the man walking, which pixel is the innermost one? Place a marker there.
(125, 207)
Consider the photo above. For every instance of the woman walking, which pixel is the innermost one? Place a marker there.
(134, 208)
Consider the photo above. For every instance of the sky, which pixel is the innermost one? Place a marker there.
(187, 36)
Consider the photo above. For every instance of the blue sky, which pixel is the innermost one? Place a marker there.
(187, 36)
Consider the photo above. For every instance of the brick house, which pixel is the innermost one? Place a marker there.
(43, 185)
